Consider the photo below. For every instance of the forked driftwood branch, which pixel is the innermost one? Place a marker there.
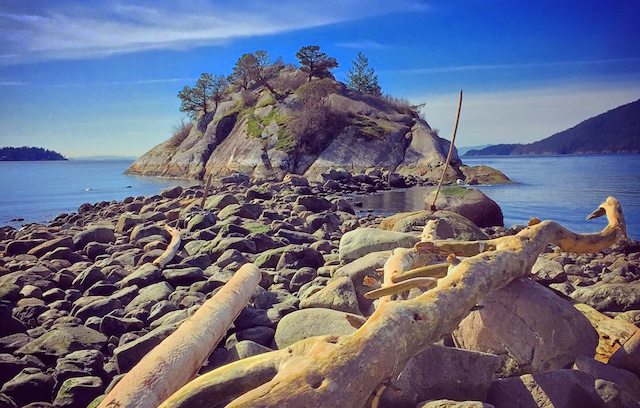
(344, 371)
(176, 360)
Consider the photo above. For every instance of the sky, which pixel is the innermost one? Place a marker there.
(93, 78)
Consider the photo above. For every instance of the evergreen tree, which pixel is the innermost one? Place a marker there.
(195, 99)
(315, 62)
(253, 67)
(362, 78)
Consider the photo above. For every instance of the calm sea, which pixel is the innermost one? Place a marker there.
(38, 191)
(561, 188)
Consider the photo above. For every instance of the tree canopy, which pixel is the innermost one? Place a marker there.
(207, 87)
(315, 62)
(253, 67)
(362, 78)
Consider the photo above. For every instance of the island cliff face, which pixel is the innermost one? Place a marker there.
(254, 133)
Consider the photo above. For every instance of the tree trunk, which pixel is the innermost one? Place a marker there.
(344, 371)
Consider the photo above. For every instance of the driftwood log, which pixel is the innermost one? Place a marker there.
(172, 248)
(346, 371)
(176, 360)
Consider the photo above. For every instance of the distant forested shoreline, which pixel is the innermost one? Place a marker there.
(25, 153)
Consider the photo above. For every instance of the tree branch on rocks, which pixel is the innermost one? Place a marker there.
(178, 358)
(339, 371)
(172, 248)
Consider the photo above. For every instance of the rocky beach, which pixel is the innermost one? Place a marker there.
(82, 301)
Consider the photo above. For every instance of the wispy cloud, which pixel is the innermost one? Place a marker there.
(77, 30)
(525, 115)
(489, 67)
(12, 83)
(362, 45)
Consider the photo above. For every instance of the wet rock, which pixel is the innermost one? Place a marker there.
(312, 322)
(362, 241)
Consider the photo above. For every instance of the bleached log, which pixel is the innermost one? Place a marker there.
(172, 248)
(344, 371)
(176, 360)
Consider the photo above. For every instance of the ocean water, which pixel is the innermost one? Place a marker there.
(38, 191)
(560, 188)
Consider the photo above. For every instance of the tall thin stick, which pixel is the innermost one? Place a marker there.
(446, 164)
(206, 191)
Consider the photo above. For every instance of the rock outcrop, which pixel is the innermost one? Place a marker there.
(258, 135)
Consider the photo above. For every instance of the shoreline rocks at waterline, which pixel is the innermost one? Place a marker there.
(81, 301)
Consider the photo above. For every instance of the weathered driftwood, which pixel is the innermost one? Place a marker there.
(172, 248)
(344, 371)
(178, 358)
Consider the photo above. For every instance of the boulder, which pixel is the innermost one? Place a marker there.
(361, 268)
(527, 323)
(298, 256)
(471, 203)
(362, 241)
(30, 385)
(62, 340)
(313, 203)
(129, 354)
(460, 375)
(485, 175)
(50, 245)
(559, 389)
(623, 378)
(78, 392)
(448, 224)
(339, 294)
(171, 192)
(307, 323)
(610, 297)
(150, 295)
(628, 356)
(94, 234)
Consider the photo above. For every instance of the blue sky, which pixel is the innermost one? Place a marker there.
(101, 77)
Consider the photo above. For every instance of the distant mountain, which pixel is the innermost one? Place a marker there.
(616, 131)
(25, 153)
(464, 149)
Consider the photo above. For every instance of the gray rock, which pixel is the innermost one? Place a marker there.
(30, 385)
(129, 354)
(97, 308)
(358, 270)
(78, 392)
(307, 323)
(79, 364)
(88, 277)
(10, 366)
(116, 326)
(201, 221)
(150, 295)
(314, 203)
(50, 245)
(95, 234)
(269, 298)
(262, 335)
(339, 294)
(142, 231)
(298, 256)
(471, 203)
(220, 201)
(171, 192)
(21, 246)
(237, 210)
(460, 374)
(610, 297)
(245, 349)
(251, 317)
(559, 388)
(548, 271)
(62, 340)
(362, 241)
(623, 378)
(145, 275)
(526, 322)
(183, 276)
(301, 277)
